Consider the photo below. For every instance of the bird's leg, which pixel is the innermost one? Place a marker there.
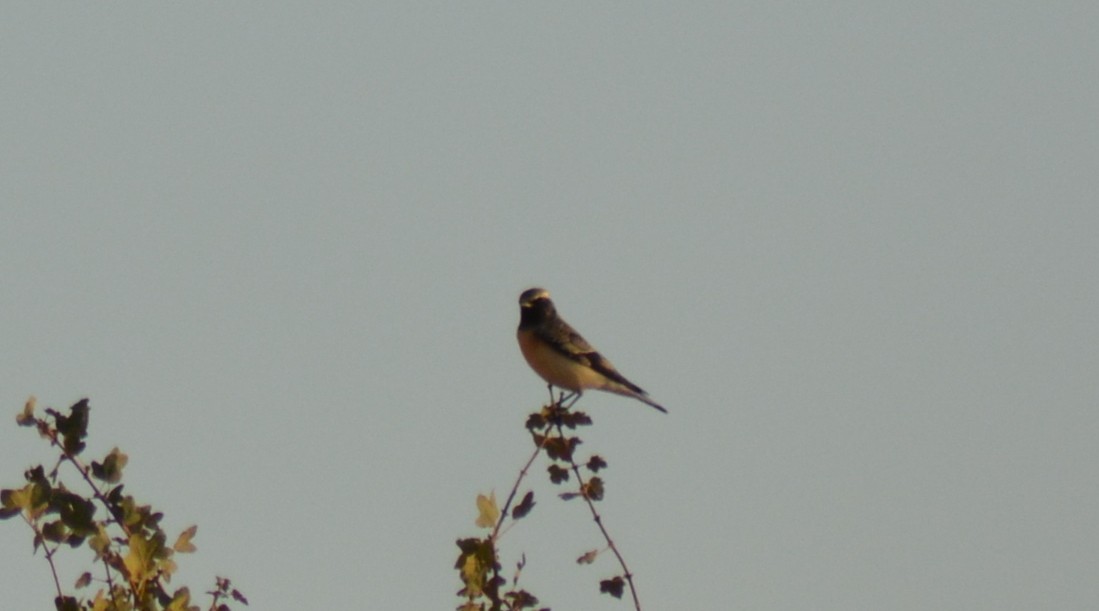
(560, 397)
(572, 398)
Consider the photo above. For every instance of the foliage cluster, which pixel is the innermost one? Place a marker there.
(135, 561)
(478, 564)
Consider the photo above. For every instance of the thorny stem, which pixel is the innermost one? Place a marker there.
(599, 520)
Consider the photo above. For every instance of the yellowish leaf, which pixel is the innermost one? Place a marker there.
(180, 601)
(27, 417)
(100, 603)
(183, 543)
(473, 575)
(167, 567)
(100, 541)
(487, 511)
(138, 561)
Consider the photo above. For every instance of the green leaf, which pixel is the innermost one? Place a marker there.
(136, 516)
(473, 565)
(110, 470)
(54, 531)
(32, 498)
(11, 502)
(477, 559)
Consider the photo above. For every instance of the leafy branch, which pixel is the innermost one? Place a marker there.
(478, 562)
(128, 543)
(592, 491)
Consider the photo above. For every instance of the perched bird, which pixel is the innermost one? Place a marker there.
(556, 352)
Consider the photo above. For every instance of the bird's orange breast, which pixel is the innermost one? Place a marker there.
(554, 367)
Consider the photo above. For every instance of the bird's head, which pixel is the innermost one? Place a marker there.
(535, 305)
(529, 296)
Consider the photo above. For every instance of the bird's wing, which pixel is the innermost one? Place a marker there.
(603, 366)
(568, 342)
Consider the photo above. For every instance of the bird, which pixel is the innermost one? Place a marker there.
(557, 353)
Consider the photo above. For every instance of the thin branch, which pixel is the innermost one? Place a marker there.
(494, 537)
(85, 472)
(599, 520)
(49, 553)
(53, 569)
(110, 581)
(515, 488)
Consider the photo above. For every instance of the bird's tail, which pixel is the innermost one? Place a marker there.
(645, 398)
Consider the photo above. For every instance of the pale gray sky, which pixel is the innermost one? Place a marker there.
(850, 246)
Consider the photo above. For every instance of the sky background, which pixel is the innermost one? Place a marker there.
(851, 246)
